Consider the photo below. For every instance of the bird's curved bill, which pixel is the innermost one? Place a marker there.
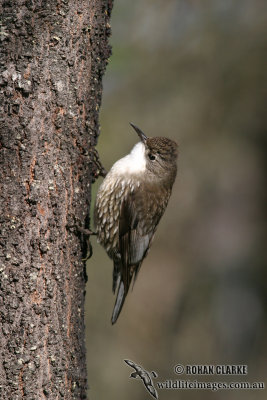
(141, 134)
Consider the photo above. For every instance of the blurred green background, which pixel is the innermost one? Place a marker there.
(195, 72)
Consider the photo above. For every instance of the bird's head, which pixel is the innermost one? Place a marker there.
(161, 155)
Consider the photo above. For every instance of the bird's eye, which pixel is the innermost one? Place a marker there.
(151, 157)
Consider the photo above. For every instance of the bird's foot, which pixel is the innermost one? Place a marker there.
(74, 225)
(87, 233)
(98, 169)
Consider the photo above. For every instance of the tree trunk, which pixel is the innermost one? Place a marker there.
(53, 56)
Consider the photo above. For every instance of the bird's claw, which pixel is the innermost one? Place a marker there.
(88, 233)
(98, 169)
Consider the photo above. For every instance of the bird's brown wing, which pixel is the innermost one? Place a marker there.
(138, 221)
(139, 217)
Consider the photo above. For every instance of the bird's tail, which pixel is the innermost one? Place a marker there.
(121, 295)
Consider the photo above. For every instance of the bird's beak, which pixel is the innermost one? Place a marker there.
(139, 133)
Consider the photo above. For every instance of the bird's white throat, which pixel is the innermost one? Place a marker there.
(133, 163)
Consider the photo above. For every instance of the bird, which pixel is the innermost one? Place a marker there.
(141, 373)
(129, 205)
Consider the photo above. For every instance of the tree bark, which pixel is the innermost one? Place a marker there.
(53, 56)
